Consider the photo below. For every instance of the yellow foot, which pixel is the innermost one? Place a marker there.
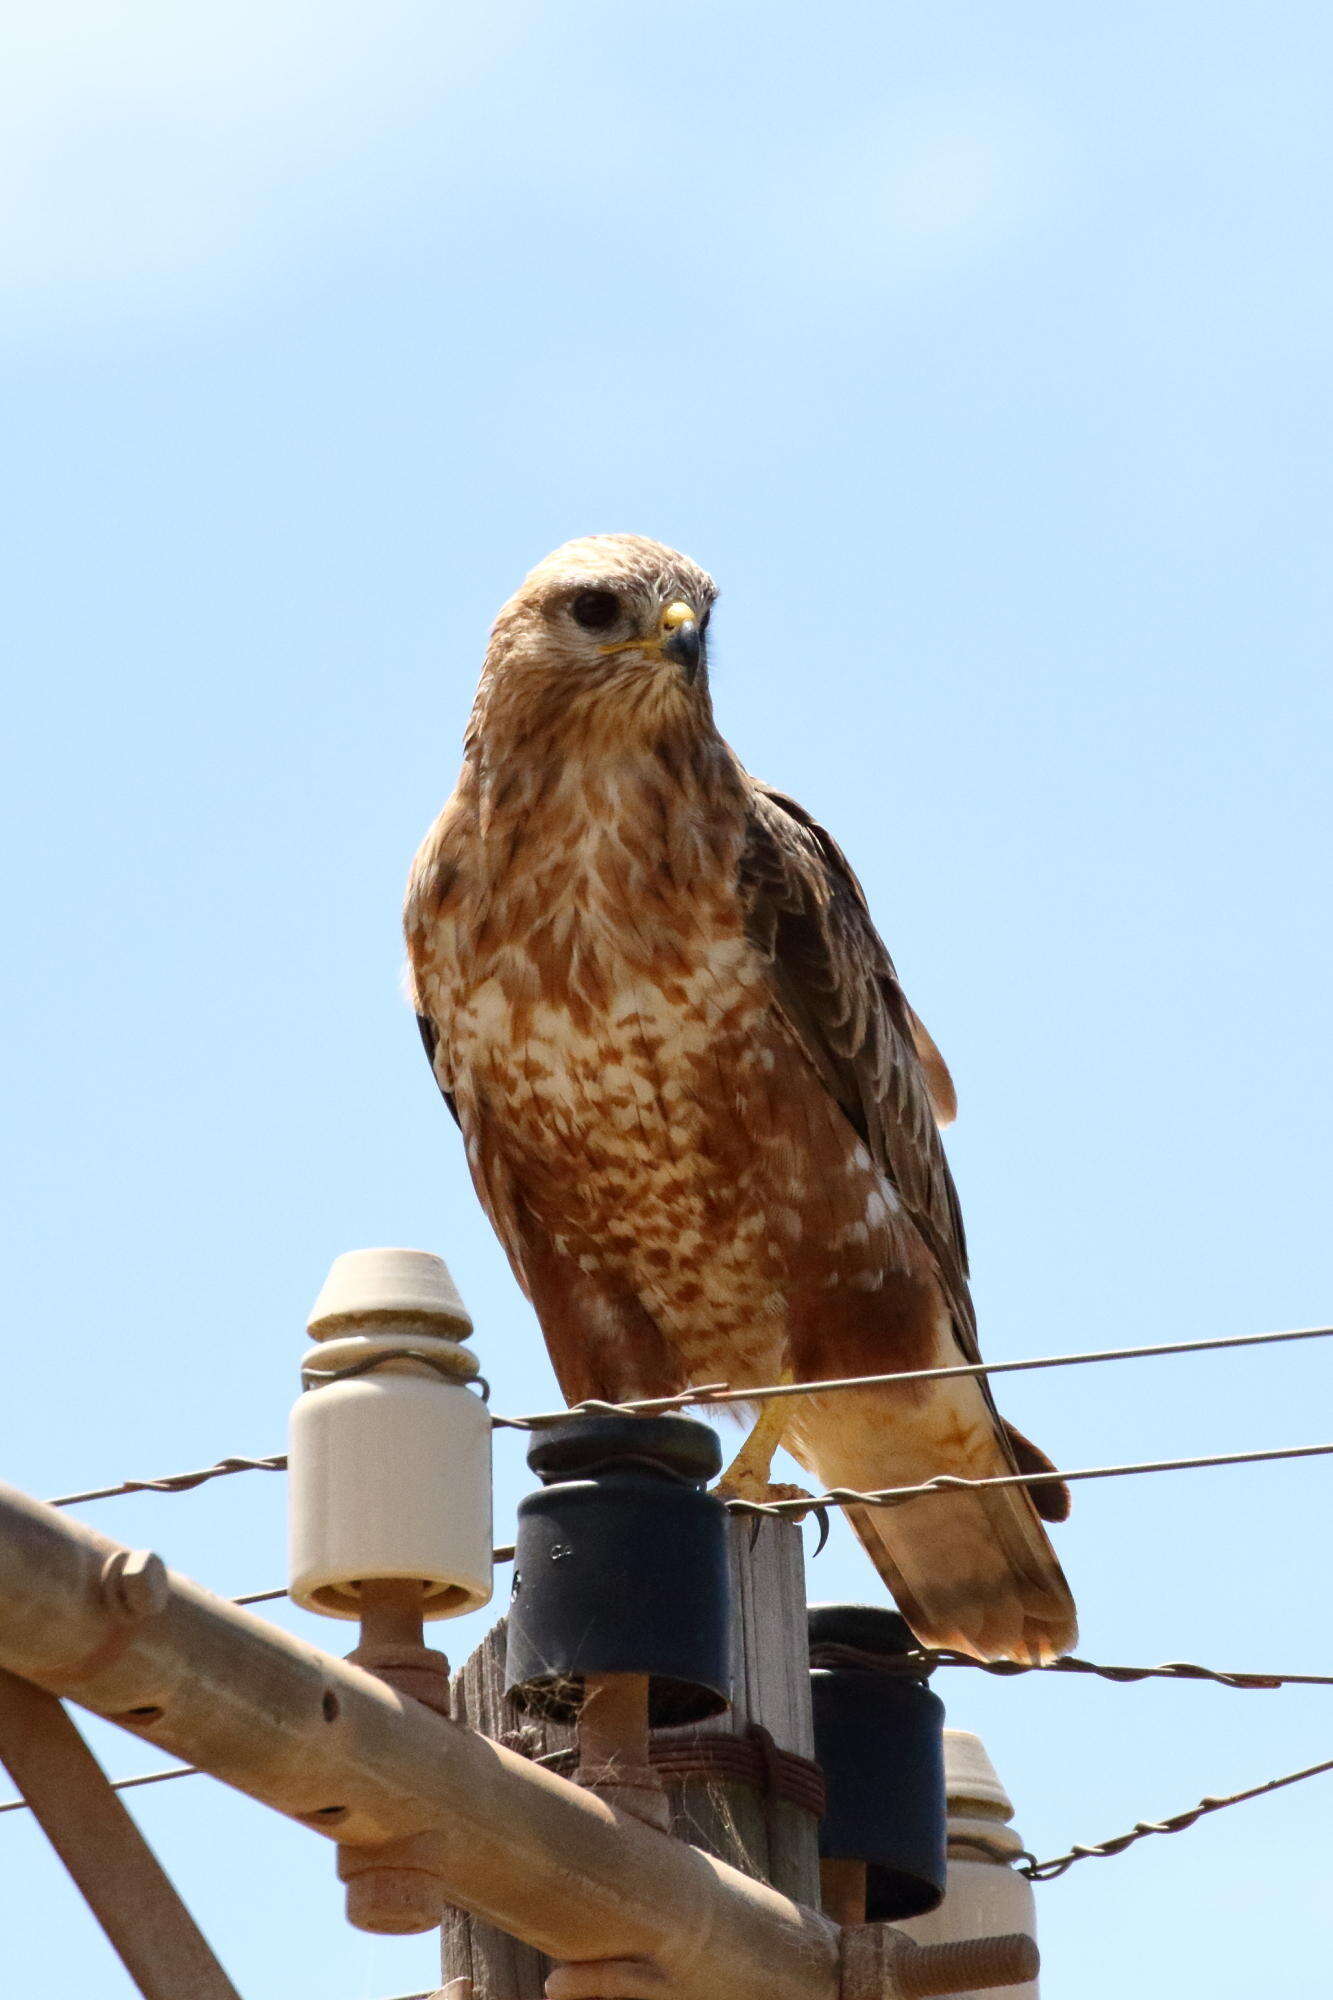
(782, 1491)
(749, 1484)
(746, 1478)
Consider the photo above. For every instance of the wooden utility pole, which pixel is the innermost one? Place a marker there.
(521, 1848)
(620, 1906)
(740, 1786)
(335, 1749)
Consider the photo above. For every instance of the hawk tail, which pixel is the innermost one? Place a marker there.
(971, 1571)
(1002, 1595)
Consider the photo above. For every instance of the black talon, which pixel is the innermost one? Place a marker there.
(822, 1516)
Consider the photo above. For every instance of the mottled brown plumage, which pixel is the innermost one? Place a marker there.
(697, 1106)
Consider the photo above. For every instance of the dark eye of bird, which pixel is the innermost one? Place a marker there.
(595, 610)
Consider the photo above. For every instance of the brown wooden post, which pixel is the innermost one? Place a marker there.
(748, 1823)
(735, 1814)
(498, 1966)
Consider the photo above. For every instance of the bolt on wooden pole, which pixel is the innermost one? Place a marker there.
(880, 1963)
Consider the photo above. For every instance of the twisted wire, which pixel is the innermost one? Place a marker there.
(1169, 1670)
(721, 1393)
(708, 1393)
(174, 1482)
(949, 1482)
(1068, 1663)
(1101, 1850)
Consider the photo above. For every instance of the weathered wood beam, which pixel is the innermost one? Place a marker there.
(329, 1745)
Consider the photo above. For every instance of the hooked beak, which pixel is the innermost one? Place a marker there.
(680, 640)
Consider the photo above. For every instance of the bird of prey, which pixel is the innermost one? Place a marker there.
(698, 1108)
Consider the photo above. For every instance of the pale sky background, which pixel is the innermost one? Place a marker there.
(983, 356)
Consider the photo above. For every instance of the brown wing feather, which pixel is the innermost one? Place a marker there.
(839, 991)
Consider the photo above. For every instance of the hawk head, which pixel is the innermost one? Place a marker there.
(608, 634)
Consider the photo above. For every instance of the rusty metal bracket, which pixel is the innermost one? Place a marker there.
(881, 1963)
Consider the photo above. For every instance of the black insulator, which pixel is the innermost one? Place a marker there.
(879, 1740)
(621, 1566)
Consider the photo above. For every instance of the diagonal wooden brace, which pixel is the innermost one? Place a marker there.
(115, 1870)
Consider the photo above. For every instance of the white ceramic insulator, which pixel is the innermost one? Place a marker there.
(390, 1476)
(971, 1781)
(985, 1895)
(390, 1469)
(411, 1290)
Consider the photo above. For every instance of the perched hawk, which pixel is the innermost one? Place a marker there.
(698, 1108)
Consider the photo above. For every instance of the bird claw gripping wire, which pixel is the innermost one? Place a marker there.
(796, 1504)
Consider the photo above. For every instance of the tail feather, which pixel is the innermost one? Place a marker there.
(973, 1574)
(971, 1571)
(1051, 1498)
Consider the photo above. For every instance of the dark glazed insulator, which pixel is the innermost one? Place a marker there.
(879, 1739)
(621, 1566)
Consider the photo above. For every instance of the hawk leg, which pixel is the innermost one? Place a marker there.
(746, 1478)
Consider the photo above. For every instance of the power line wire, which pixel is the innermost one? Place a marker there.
(1047, 1871)
(1067, 1663)
(840, 1496)
(123, 1784)
(709, 1393)
(949, 1482)
(1170, 1670)
(173, 1482)
(721, 1393)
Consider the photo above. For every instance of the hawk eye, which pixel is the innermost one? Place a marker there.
(595, 610)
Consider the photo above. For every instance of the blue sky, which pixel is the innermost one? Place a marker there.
(982, 356)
